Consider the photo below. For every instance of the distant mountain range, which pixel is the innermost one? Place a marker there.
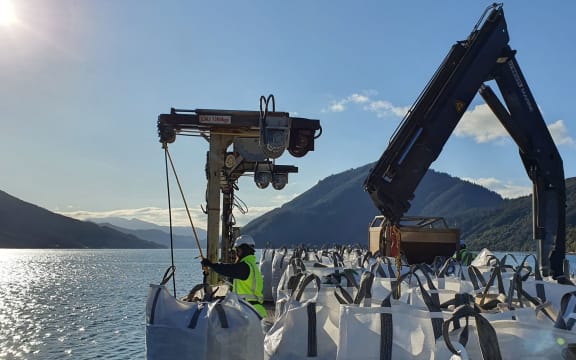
(182, 236)
(335, 211)
(338, 211)
(24, 225)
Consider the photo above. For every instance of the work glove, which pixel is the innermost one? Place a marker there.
(206, 262)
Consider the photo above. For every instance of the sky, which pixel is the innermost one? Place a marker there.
(82, 83)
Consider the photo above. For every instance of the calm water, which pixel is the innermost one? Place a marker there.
(84, 304)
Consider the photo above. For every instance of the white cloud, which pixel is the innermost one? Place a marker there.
(481, 124)
(338, 106)
(384, 108)
(507, 190)
(559, 133)
(381, 108)
(160, 216)
(150, 214)
(358, 98)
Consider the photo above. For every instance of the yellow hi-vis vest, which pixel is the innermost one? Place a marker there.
(251, 288)
(464, 256)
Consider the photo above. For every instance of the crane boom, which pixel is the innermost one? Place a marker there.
(484, 56)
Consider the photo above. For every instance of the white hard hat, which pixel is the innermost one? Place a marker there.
(244, 239)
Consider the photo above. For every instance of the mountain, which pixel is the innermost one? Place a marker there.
(24, 225)
(338, 211)
(135, 224)
(509, 226)
(158, 234)
(334, 211)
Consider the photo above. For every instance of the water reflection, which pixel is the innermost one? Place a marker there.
(80, 304)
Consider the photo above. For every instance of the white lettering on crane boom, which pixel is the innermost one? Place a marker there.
(215, 119)
(521, 86)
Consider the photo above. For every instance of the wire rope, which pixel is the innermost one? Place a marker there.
(184, 200)
(172, 267)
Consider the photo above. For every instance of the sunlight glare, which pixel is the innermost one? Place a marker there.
(7, 13)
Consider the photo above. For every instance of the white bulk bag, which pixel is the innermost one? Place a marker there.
(242, 337)
(502, 339)
(383, 287)
(174, 329)
(303, 330)
(279, 264)
(395, 330)
(547, 290)
(266, 271)
(226, 328)
(447, 291)
(544, 288)
(289, 279)
(567, 315)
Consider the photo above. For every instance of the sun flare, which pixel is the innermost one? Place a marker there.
(7, 13)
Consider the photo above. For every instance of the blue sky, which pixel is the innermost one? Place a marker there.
(82, 84)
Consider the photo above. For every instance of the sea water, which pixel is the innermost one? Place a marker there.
(86, 304)
(82, 304)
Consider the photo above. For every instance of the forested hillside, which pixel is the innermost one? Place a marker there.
(338, 211)
(24, 225)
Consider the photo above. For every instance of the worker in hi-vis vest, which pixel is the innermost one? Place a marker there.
(247, 281)
(464, 255)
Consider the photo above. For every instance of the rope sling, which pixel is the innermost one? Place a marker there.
(168, 159)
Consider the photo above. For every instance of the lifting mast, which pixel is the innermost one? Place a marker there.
(258, 138)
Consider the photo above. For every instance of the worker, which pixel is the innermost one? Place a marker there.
(247, 279)
(463, 255)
